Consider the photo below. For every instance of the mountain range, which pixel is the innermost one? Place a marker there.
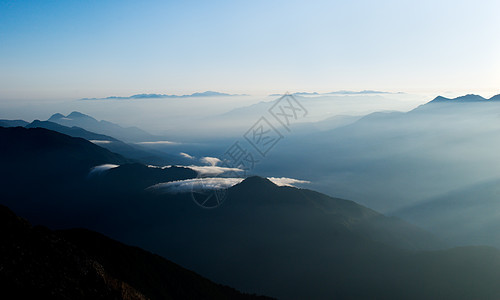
(394, 162)
(465, 98)
(80, 125)
(129, 134)
(157, 96)
(132, 151)
(342, 92)
(283, 242)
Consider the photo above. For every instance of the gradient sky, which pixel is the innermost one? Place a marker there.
(73, 49)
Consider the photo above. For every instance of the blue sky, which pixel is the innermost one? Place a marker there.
(73, 49)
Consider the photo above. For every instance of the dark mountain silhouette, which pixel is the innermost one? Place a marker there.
(293, 243)
(37, 263)
(353, 217)
(71, 131)
(130, 134)
(112, 144)
(137, 177)
(38, 151)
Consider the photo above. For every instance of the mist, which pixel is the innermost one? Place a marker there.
(394, 153)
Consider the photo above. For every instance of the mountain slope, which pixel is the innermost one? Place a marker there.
(71, 131)
(81, 264)
(340, 213)
(388, 161)
(462, 99)
(130, 134)
(465, 216)
(296, 244)
(112, 144)
(441, 102)
(45, 151)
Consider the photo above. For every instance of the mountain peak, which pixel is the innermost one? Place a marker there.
(72, 115)
(56, 116)
(78, 115)
(209, 94)
(440, 99)
(257, 180)
(256, 183)
(470, 98)
(462, 99)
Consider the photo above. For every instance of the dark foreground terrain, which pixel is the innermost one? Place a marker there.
(37, 263)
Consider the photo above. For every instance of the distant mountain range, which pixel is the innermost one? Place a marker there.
(13, 123)
(443, 102)
(426, 165)
(73, 131)
(464, 99)
(157, 96)
(129, 134)
(132, 151)
(219, 94)
(342, 92)
(74, 124)
(37, 263)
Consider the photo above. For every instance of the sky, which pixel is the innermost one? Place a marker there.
(75, 49)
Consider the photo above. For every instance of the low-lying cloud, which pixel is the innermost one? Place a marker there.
(284, 181)
(213, 183)
(197, 184)
(98, 142)
(183, 154)
(213, 170)
(158, 143)
(206, 171)
(102, 168)
(213, 161)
